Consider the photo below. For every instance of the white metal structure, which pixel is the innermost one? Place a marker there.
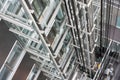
(59, 35)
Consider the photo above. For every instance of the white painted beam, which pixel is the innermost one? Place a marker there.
(14, 21)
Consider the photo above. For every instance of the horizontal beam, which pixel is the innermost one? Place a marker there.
(75, 46)
(15, 21)
(70, 26)
(37, 54)
(27, 21)
(23, 35)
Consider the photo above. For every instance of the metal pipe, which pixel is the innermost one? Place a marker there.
(70, 20)
(76, 22)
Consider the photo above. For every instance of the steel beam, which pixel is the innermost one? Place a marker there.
(27, 21)
(41, 37)
(52, 19)
(14, 68)
(37, 54)
(14, 21)
(5, 6)
(87, 41)
(23, 35)
(70, 26)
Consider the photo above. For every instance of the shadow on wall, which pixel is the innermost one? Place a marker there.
(7, 40)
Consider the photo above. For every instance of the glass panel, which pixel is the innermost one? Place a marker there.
(57, 27)
(113, 46)
(52, 34)
(13, 58)
(33, 44)
(65, 46)
(16, 11)
(5, 73)
(33, 72)
(118, 22)
(71, 65)
(61, 15)
(26, 31)
(43, 50)
(38, 6)
(14, 7)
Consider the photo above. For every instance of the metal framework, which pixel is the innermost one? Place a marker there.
(60, 38)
